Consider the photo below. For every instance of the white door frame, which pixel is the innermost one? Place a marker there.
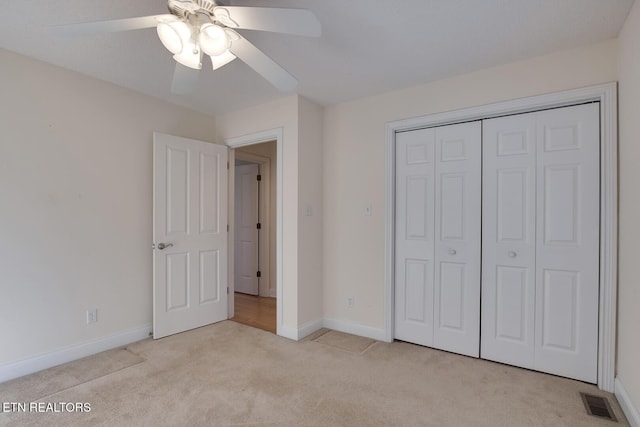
(606, 94)
(264, 209)
(250, 139)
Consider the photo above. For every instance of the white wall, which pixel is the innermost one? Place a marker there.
(354, 161)
(628, 367)
(310, 226)
(76, 205)
(268, 149)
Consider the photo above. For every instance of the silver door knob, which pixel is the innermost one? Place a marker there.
(452, 251)
(512, 254)
(162, 246)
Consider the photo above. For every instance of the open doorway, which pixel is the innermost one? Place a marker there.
(254, 231)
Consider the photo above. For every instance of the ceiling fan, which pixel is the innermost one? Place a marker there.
(198, 27)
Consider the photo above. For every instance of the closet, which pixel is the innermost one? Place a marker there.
(497, 239)
(438, 185)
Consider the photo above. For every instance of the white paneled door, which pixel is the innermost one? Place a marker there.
(541, 241)
(509, 239)
(246, 231)
(190, 234)
(438, 186)
(415, 242)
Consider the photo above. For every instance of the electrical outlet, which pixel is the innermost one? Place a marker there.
(350, 302)
(92, 316)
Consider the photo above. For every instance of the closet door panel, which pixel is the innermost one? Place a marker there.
(508, 240)
(457, 238)
(414, 268)
(567, 252)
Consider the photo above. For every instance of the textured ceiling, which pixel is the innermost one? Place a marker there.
(367, 46)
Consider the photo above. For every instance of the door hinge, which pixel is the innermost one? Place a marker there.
(227, 228)
(227, 290)
(259, 226)
(259, 274)
(227, 165)
(259, 177)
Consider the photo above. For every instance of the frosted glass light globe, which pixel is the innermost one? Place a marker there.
(213, 40)
(222, 60)
(174, 35)
(191, 56)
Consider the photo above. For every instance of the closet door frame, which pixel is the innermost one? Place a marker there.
(606, 94)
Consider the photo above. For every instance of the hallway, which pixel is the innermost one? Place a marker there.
(255, 311)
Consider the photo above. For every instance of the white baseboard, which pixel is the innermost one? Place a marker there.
(310, 327)
(288, 332)
(630, 411)
(23, 367)
(355, 329)
(301, 331)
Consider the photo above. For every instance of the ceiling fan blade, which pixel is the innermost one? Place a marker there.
(185, 80)
(262, 64)
(97, 27)
(289, 21)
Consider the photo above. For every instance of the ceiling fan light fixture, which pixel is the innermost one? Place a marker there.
(169, 38)
(196, 27)
(191, 56)
(213, 40)
(222, 60)
(174, 35)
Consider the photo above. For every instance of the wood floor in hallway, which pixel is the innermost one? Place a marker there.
(259, 312)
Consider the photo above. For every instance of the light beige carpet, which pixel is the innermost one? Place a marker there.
(346, 342)
(63, 377)
(231, 374)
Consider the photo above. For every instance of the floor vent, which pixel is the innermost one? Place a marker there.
(598, 406)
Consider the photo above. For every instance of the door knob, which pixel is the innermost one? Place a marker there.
(162, 246)
(452, 251)
(512, 254)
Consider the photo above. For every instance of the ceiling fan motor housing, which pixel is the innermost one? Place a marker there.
(184, 8)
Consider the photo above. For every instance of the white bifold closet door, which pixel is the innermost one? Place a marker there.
(438, 207)
(541, 241)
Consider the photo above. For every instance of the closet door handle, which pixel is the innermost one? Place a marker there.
(512, 254)
(452, 251)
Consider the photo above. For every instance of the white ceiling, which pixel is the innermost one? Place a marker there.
(367, 46)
